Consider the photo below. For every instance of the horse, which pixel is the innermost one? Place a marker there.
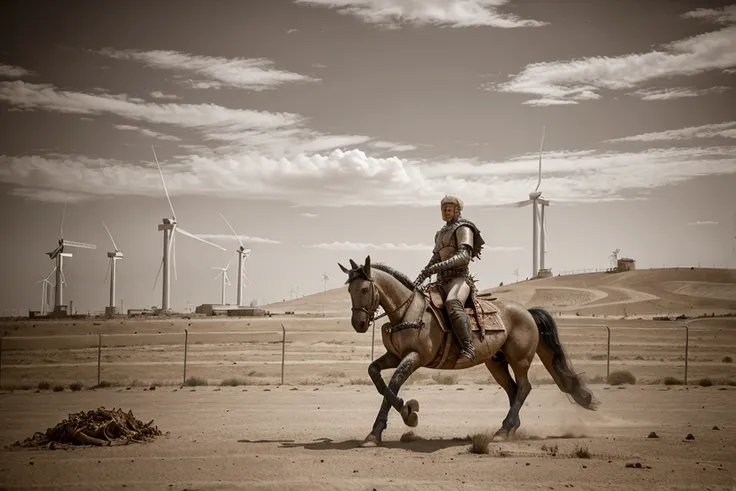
(416, 335)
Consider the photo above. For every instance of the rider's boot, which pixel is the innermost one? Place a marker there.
(461, 326)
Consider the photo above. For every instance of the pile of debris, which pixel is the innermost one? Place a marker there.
(102, 427)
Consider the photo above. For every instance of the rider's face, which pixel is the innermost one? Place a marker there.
(448, 211)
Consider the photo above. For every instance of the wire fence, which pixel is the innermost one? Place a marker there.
(678, 353)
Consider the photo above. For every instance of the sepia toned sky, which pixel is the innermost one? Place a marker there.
(325, 130)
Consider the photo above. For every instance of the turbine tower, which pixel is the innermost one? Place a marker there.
(325, 277)
(243, 254)
(539, 203)
(58, 255)
(112, 267)
(169, 227)
(225, 280)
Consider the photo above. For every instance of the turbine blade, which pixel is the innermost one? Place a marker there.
(172, 252)
(234, 232)
(166, 190)
(107, 271)
(189, 234)
(63, 215)
(63, 278)
(218, 275)
(81, 245)
(160, 267)
(517, 204)
(111, 239)
(541, 146)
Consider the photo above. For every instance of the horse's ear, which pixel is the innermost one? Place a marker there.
(367, 267)
(355, 266)
(344, 269)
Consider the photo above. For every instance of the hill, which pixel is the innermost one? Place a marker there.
(647, 292)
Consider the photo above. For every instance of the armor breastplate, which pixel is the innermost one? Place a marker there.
(445, 244)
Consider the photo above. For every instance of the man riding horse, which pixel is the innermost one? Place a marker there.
(456, 244)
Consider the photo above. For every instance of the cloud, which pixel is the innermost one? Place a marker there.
(275, 134)
(704, 222)
(393, 147)
(157, 94)
(584, 79)
(254, 73)
(309, 215)
(208, 117)
(724, 15)
(10, 71)
(146, 132)
(354, 178)
(452, 13)
(723, 130)
(244, 238)
(675, 93)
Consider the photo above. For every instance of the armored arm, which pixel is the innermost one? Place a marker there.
(462, 257)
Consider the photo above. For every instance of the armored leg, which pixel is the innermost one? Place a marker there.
(457, 293)
(461, 326)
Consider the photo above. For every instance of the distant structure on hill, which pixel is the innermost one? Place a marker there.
(625, 264)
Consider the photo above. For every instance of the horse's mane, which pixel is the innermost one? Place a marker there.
(400, 277)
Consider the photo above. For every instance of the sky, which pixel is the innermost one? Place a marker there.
(325, 130)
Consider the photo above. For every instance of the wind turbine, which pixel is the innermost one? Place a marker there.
(243, 254)
(112, 264)
(45, 290)
(58, 254)
(169, 227)
(538, 202)
(325, 277)
(225, 280)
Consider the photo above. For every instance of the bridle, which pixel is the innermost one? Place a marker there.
(375, 304)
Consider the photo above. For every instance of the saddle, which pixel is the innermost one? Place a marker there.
(483, 314)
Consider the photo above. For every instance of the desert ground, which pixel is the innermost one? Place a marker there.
(232, 424)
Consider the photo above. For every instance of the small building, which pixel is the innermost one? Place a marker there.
(544, 273)
(625, 264)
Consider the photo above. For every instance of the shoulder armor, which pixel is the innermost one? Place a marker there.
(464, 236)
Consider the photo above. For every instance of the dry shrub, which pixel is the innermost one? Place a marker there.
(195, 382)
(361, 381)
(105, 383)
(76, 386)
(727, 359)
(479, 443)
(581, 452)
(58, 388)
(44, 385)
(672, 381)
(598, 379)
(409, 437)
(442, 379)
(553, 450)
(233, 382)
(620, 377)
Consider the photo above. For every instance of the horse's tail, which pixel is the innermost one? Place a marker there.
(555, 360)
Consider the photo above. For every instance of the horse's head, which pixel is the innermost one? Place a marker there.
(363, 293)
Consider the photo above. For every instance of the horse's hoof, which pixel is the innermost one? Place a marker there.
(371, 441)
(409, 415)
(501, 435)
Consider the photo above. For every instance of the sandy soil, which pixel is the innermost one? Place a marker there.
(299, 438)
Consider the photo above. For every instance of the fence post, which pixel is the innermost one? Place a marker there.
(687, 348)
(186, 346)
(99, 357)
(283, 351)
(373, 339)
(608, 353)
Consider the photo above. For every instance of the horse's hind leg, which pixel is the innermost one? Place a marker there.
(499, 368)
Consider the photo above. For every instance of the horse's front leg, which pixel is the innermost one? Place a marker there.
(404, 368)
